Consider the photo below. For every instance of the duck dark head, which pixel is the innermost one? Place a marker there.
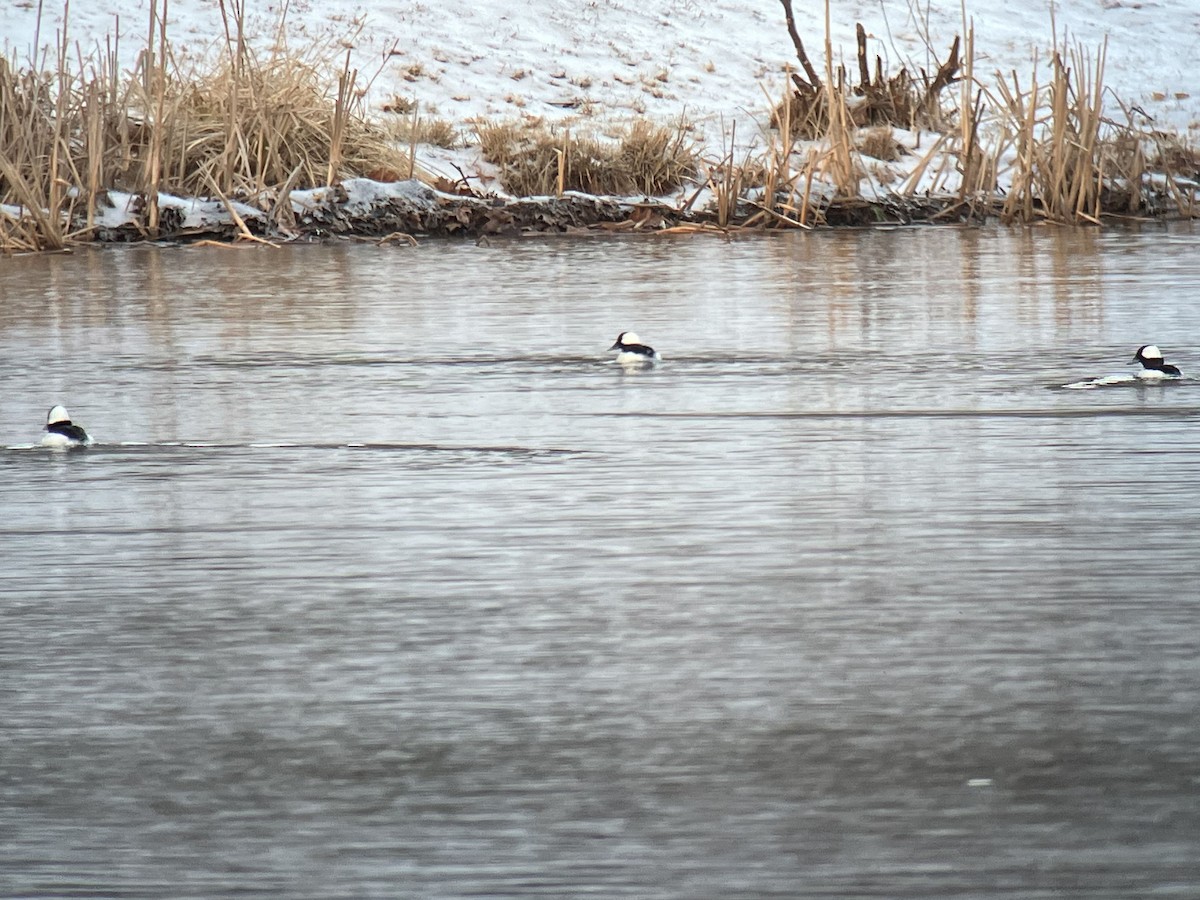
(630, 349)
(626, 339)
(1151, 359)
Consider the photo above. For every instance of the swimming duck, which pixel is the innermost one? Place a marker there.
(61, 432)
(632, 352)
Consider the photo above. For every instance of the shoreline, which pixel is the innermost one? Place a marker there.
(406, 211)
(278, 146)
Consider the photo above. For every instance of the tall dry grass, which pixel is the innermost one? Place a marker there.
(39, 162)
(246, 124)
(253, 125)
(1072, 164)
(1021, 152)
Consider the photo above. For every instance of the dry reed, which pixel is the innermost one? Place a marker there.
(412, 129)
(1071, 163)
(536, 161)
(255, 125)
(1061, 157)
(243, 126)
(252, 123)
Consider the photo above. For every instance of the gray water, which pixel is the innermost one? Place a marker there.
(381, 581)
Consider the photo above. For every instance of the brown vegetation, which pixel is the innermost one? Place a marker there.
(253, 127)
(1062, 159)
(242, 127)
(903, 100)
(413, 129)
(536, 161)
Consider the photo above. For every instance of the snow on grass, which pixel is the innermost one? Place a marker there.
(714, 61)
(363, 194)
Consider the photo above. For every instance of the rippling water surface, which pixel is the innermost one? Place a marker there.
(381, 582)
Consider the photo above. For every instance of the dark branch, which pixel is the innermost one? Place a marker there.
(814, 81)
(864, 71)
(947, 72)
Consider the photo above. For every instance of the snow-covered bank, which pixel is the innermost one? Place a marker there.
(1003, 153)
(716, 62)
(356, 206)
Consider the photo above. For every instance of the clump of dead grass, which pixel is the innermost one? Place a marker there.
(905, 99)
(1072, 163)
(240, 124)
(254, 121)
(536, 160)
(880, 143)
(415, 129)
(1022, 151)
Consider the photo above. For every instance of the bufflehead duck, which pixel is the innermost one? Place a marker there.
(1153, 366)
(632, 352)
(61, 432)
